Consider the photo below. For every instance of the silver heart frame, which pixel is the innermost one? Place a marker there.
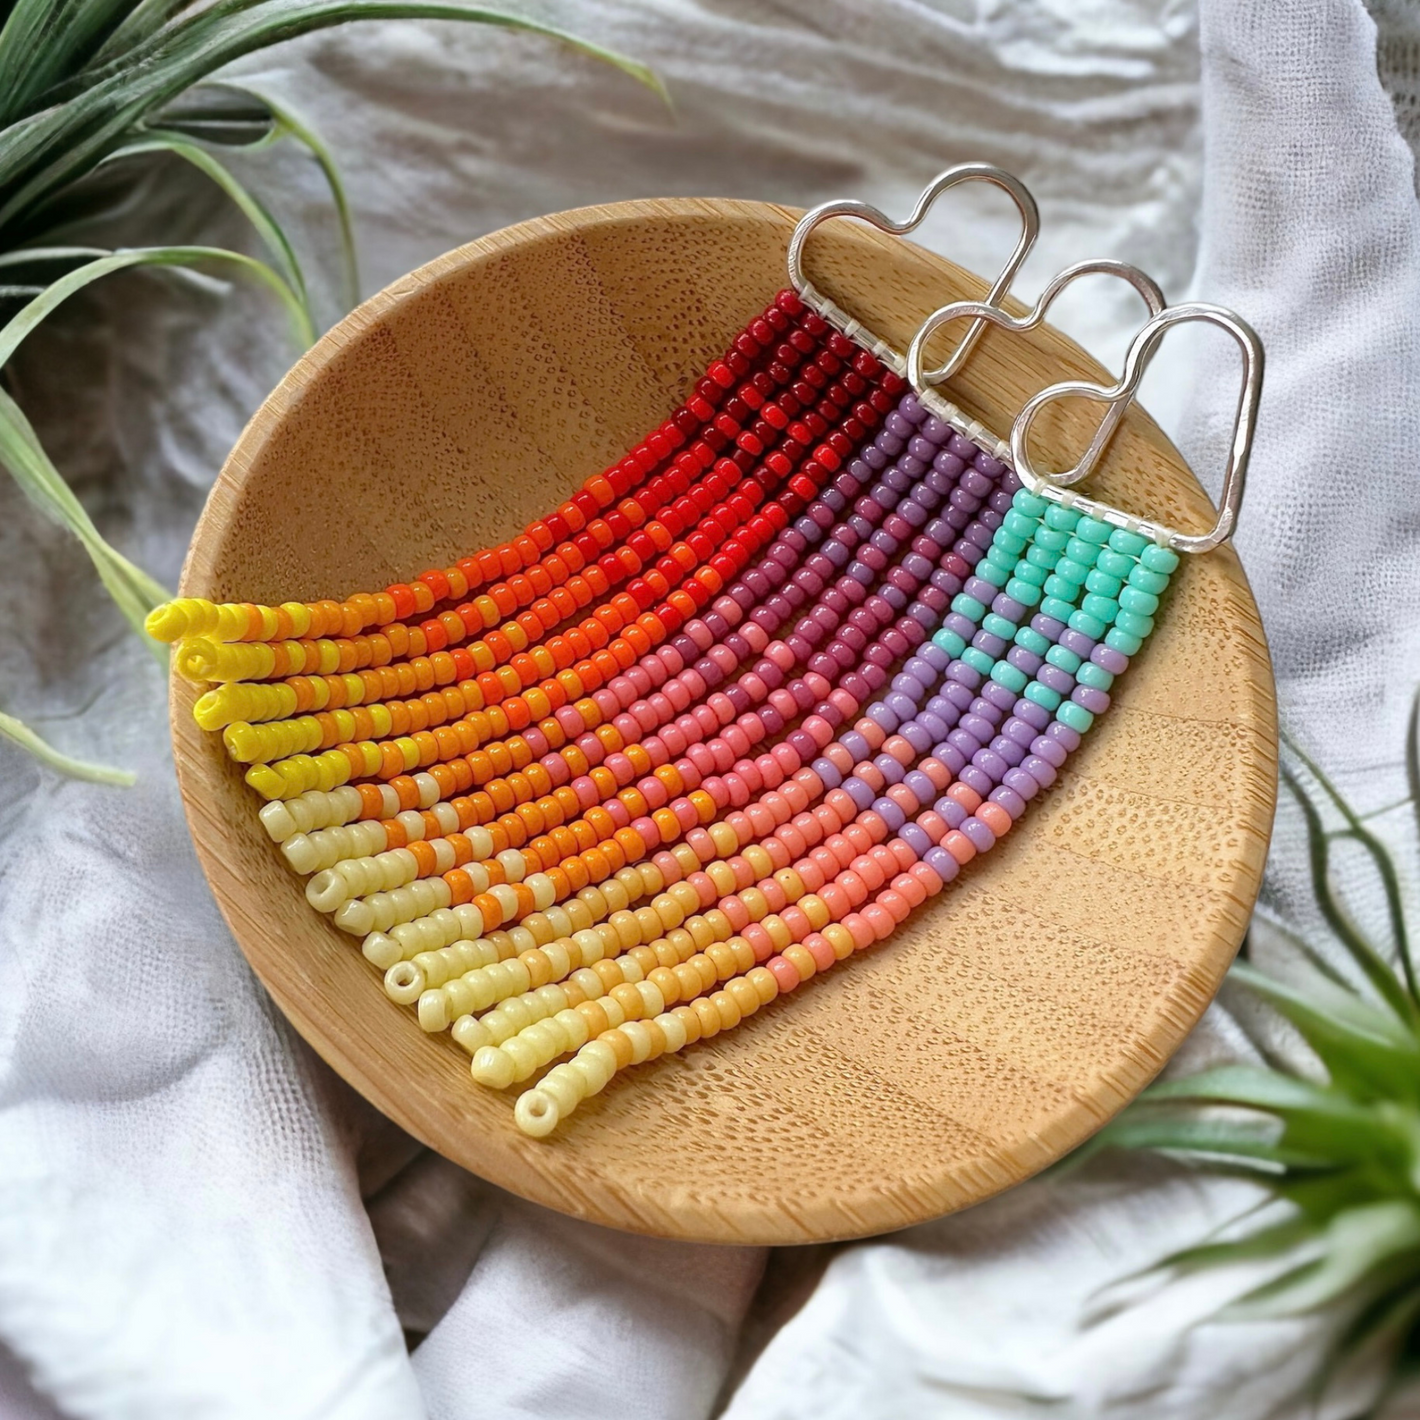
(953, 177)
(1143, 283)
(1121, 393)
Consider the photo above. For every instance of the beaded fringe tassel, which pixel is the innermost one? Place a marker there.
(721, 720)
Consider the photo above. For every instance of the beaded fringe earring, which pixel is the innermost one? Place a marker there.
(723, 718)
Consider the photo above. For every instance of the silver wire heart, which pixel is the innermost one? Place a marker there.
(1124, 390)
(1144, 284)
(963, 172)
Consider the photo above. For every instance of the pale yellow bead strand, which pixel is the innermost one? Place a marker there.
(615, 894)
(522, 1055)
(724, 962)
(623, 931)
(323, 808)
(540, 1109)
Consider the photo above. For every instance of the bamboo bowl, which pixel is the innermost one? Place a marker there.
(1003, 1024)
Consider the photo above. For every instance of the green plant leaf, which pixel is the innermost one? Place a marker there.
(135, 592)
(1177, 1133)
(1358, 1242)
(1378, 1330)
(1258, 1246)
(145, 19)
(20, 451)
(1317, 1119)
(44, 41)
(289, 121)
(19, 326)
(1385, 868)
(19, 733)
(91, 115)
(267, 227)
(1376, 969)
(1364, 1048)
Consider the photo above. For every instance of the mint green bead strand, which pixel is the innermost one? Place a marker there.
(1057, 608)
(1012, 677)
(1088, 673)
(1029, 639)
(1067, 660)
(1130, 544)
(1103, 584)
(1093, 530)
(1031, 504)
(1104, 609)
(1122, 642)
(947, 640)
(1147, 581)
(1141, 603)
(1115, 564)
(1159, 559)
(1087, 625)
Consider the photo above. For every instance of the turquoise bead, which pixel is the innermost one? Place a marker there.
(968, 607)
(998, 626)
(1093, 530)
(1087, 625)
(1105, 608)
(1042, 695)
(1129, 543)
(1085, 553)
(1051, 538)
(994, 573)
(1061, 518)
(1148, 581)
(1031, 504)
(1009, 543)
(1134, 624)
(1076, 716)
(1023, 592)
(1060, 610)
(1123, 642)
(1144, 603)
(948, 641)
(1031, 639)
(1034, 575)
(1071, 570)
(1013, 678)
(978, 660)
(1042, 556)
(1103, 583)
(1057, 586)
(1068, 661)
(999, 555)
(1096, 677)
(1114, 564)
(1159, 559)
(1019, 524)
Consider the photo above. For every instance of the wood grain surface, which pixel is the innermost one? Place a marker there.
(995, 1031)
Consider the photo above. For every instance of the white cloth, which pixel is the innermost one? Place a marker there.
(195, 1216)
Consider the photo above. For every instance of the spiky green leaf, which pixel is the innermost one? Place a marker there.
(17, 732)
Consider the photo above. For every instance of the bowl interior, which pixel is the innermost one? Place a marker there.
(1002, 1024)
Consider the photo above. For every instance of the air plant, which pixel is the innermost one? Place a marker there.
(87, 83)
(1332, 1131)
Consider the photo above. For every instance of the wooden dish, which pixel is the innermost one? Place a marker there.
(1002, 1025)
